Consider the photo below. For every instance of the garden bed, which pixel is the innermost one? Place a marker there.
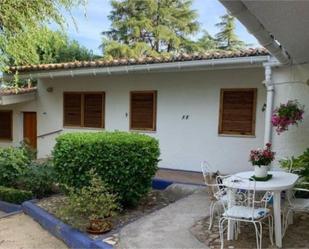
(154, 200)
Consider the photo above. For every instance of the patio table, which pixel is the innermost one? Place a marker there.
(279, 182)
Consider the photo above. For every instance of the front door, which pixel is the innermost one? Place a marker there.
(30, 129)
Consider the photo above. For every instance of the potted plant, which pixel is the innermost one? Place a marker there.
(261, 159)
(287, 114)
(94, 202)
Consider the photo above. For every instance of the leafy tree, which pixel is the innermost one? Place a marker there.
(207, 42)
(20, 21)
(227, 38)
(55, 46)
(143, 27)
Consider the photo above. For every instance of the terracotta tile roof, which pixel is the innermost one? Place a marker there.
(145, 60)
(16, 91)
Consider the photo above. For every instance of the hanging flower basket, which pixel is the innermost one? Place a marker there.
(287, 114)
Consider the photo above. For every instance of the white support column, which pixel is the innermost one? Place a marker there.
(269, 104)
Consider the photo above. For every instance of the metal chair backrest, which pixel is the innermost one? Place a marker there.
(244, 197)
(211, 180)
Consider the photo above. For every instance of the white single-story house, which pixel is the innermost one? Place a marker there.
(212, 106)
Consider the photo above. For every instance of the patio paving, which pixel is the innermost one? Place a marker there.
(168, 227)
(297, 235)
(180, 176)
(20, 231)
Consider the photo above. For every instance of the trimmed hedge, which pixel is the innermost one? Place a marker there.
(15, 196)
(126, 162)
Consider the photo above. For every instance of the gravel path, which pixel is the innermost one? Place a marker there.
(21, 232)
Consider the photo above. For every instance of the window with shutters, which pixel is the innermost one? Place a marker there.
(237, 111)
(143, 110)
(83, 109)
(6, 125)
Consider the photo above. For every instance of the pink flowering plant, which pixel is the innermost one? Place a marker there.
(287, 114)
(263, 156)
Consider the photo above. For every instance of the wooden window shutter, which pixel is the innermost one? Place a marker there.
(6, 125)
(237, 111)
(93, 110)
(143, 110)
(72, 115)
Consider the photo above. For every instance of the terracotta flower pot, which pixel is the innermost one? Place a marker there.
(99, 226)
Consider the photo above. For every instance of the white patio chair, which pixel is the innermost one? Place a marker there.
(245, 208)
(215, 189)
(295, 204)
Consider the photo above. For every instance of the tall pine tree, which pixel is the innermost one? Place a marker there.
(227, 38)
(149, 27)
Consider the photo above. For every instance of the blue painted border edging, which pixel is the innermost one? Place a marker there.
(72, 237)
(161, 184)
(9, 207)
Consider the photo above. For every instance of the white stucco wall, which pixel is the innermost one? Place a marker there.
(290, 84)
(184, 143)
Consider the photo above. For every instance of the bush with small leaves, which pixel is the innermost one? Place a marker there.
(126, 162)
(13, 163)
(88, 203)
(39, 178)
(15, 196)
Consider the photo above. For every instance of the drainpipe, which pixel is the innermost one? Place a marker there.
(269, 104)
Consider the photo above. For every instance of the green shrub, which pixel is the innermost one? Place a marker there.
(38, 178)
(93, 201)
(300, 166)
(13, 163)
(126, 162)
(14, 195)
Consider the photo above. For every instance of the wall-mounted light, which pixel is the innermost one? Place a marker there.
(50, 89)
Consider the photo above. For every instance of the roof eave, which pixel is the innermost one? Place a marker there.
(238, 9)
(195, 65)
(11, 99)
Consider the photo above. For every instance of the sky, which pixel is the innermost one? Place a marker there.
(90, 26)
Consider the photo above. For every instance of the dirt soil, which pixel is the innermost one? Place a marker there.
(21, 232)
(297, 235)
(155, 200)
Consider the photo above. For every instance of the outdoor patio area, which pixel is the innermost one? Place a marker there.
(297, 235)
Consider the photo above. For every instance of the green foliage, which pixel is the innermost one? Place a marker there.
(93, 201)
(207, 42)
(156, 26)
(13, 163)
(55, 46)
(39, 178)
(14, 195)
(300, 166)
(20, 24)
(226, 38)
(126, 162)
(204, 43)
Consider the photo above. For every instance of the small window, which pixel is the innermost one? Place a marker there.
(83, 109)
(143, 110)
(237, 111)
(6, 125)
